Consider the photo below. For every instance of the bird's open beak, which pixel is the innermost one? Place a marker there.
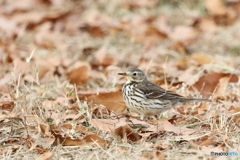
(123, 74)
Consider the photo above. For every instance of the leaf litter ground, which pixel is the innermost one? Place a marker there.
(60, 95)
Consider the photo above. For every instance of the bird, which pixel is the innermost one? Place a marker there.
(147, 98)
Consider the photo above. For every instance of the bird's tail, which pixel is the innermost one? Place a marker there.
(195, 100)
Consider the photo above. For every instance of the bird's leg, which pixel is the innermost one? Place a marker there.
(142, 117)
(157, 117)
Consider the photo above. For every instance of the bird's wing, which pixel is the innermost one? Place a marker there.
(153, 91)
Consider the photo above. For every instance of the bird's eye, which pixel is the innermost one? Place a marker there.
(134, 74)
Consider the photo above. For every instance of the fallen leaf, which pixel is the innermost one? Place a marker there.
(41, 150)
(167, 126)
(126, 131)
(187, 76)
(206, 24)
(196, 59)
(7, 105)
(47, 67)
(113, 101)
(103, 57)
(79, 72)
(201, 58)
(8, 116)
(46, 156)
(76, 128)
(139, 3)
(9, 27)
(20, 67)
(202, 108)
(222, 85)
(93, 30)
(45, 129)
(183, 33)
(108, 125)
(4, 87)
(180, 47)
(236, 116)
(45, 37)
(208, 82)
(92, 139)
(207, 142)
(21, 5)
(215, 7)
(34, 18)
(33, 119)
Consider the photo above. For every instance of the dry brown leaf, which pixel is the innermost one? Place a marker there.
(113, 101)
(94, 30)
(215, 7)
(79, 72)
(202, 108)
(236, 117)
(45, 129)
(41, 150)
(222, 85)
(207, 24)
(201, 58)
(108, 125)
(76, 128)
(92, 138)
(96, 91)
(195, 59)
(183, 33)
(33, 119)
(35, 17)
(207, 142)
(46, 156)
(139, 3)
(167, 126)
(158, 155)
(8, 116)
(6, 105)
(111, 74)
(179, 46)
(46, 38)
(235, 5)
(6, 150)
(4, 87)
(47, 66)
(73, 116)
(103, 57)
(126, 131)
(222, 14)
(208, 82)
(161, 23)
(9, 27)
(162, 145)
(146, 32)
(20, 67)
(112, 68)
(152, 31)
(21, 5)
(187, 76)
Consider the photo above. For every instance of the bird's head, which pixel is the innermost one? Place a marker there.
(134, 75)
